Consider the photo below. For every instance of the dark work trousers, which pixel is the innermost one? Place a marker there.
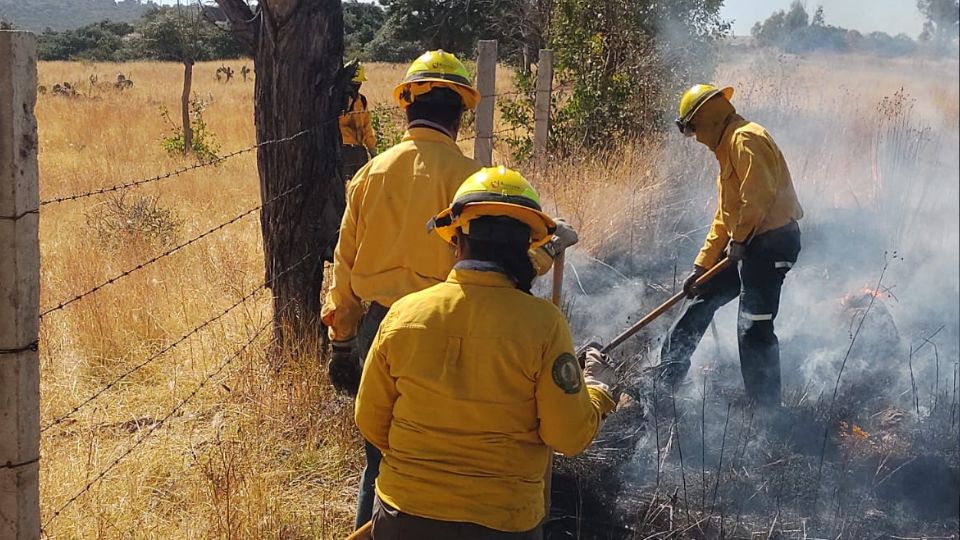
(392, 524)
(353, 157)
(757, 281)
(365, 334)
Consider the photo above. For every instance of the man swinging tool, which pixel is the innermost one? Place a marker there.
(756, 224)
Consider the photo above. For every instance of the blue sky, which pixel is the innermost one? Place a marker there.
(891, 16)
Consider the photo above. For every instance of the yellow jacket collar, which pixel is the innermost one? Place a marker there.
(429, 135)
(467, 276)
(723, 149)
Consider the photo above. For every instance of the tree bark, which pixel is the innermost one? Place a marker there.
(185, 107)
(298, 58)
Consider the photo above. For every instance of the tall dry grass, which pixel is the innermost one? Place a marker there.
(264, 449)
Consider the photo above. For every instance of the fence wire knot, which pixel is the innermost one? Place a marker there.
(33, 346)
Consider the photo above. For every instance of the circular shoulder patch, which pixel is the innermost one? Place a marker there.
(566, 373)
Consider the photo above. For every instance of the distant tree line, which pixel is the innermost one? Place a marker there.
(795, 31)
(38, 15)
(158, 35)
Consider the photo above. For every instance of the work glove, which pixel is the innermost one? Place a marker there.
(736, 251)
(344, 368)
(564, 237)
(690, 284)
(598, 373)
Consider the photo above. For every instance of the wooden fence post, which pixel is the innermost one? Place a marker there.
(19, 289)
(487, 86)
(541, 111)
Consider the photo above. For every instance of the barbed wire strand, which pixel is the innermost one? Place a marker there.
(20, 216)
(197, 329)
(173, 173)
(153, 428)
(167, 253)
(492, 134)
(220, 159)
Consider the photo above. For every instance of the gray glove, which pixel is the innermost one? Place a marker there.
(598, 373)
(564, 237)
(690, 284)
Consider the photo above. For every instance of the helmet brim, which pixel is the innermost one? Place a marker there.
(469, 94)
(541, 225)
(726, 92)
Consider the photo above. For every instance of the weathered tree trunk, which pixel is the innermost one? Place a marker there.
(298, 46)
(185, 106)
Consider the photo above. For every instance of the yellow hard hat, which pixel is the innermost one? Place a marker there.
(495, 191)
(360, 75)
(432, 70)
(693, 99)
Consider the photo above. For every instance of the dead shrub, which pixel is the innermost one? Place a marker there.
(125, 220)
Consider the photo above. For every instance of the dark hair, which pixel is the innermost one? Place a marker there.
(509, 250)
(440, 105)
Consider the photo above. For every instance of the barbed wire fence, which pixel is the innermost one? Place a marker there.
(68, 415)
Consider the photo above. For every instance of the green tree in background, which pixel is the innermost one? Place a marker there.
(158, 35)
(361, 22)
(620, 65)
(795, 32)
(178, 33)
(943, 20)
(102, 41)
(451, 25)
(520, 26)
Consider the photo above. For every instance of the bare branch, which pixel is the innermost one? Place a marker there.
(242, 18)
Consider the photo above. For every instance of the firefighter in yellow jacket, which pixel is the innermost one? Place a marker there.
(383, 253)
(755, 225)
(471, 382)
(358, 140)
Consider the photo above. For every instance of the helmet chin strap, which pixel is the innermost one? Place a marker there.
(431, 125)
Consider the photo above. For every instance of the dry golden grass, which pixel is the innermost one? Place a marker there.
(264, 449)
(261, 450)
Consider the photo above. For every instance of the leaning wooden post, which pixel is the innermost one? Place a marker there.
(19, 289)
(541, 111)
(487, 86)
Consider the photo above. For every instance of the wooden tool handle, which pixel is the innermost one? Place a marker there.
(363, 533)
(662, 308)
(558, 263)
(557, 296)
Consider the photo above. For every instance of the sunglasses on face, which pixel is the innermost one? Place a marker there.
(685, 127)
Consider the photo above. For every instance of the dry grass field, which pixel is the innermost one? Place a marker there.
(262, 449)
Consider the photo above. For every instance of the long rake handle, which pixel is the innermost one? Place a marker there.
(557, 297)
(662, 308)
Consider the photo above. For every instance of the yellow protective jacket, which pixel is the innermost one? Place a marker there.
(464, 392)
(756, 193)
(355, 126)
(385, 251)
